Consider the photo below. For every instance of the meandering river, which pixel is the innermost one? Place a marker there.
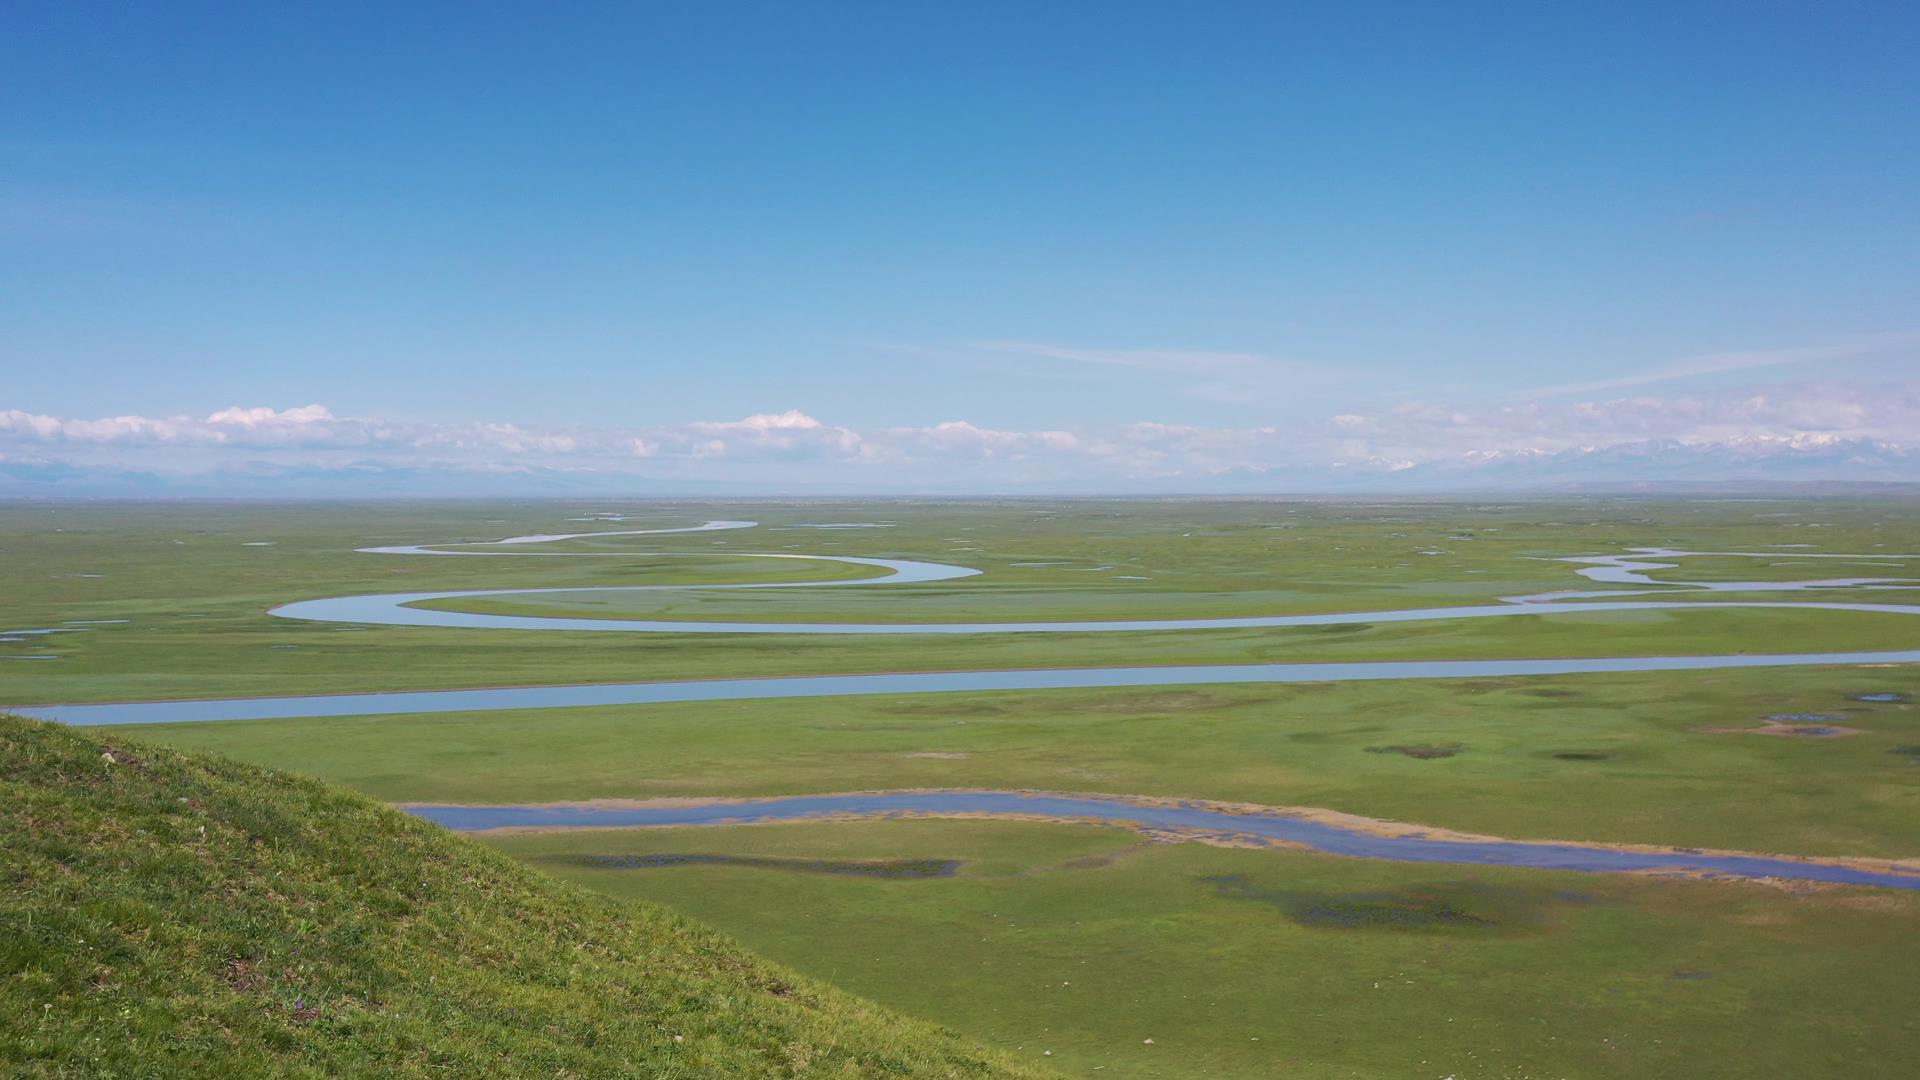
(397, 609)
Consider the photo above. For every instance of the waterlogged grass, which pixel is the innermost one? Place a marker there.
(1086, 942)
(165, 915)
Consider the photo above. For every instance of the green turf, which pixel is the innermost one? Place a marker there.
(164, 915)
(1569, 990)
(1086, 942)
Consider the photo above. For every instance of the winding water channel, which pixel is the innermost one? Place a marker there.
(400, 609)
(397, 609)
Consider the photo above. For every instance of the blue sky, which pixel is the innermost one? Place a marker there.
(1298, 236)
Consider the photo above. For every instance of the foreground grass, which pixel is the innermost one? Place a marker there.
(1272, 963)
(165, 915)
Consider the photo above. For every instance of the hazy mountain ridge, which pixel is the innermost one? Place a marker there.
(1739, 461)
(1762, 459)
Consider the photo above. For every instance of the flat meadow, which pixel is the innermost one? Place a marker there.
(1073, 944)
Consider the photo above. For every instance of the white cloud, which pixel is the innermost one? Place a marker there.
(257, 426)
(790, 434)
(791, 420)
(255, 417)
(960, 439)
(793, 446)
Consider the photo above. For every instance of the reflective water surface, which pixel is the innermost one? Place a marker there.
(1268, 825)
(645, 693)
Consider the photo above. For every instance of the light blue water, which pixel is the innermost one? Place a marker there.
(811, 686)
(395, 609)
(391, 609)
(1320, 836)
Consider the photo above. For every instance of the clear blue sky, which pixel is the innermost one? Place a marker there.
(1022, 216)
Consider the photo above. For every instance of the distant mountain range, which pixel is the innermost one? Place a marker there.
(1755, 460)
(357, 480)
(1652, 465)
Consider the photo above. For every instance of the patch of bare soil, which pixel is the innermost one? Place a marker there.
(113, 755)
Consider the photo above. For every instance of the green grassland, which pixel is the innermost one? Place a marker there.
(168, 915)
(1786, 568)
(196, 594)
(1483, 971)
(1664, 773)
(1084, 942)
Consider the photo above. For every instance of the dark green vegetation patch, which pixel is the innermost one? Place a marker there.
(1422, 753)
(892, 869)
(163, 914)
(1441, 906)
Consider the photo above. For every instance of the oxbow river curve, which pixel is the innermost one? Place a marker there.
(397, 609)
(1273, 825)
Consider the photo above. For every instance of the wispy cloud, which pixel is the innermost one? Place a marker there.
(1174, 360)
(1722, 363)
(1232, 377)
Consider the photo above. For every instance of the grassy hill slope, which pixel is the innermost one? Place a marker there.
(166, 914)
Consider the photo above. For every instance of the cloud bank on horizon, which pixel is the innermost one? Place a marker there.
(1820, 429)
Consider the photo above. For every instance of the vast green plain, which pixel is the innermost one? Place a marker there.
(1072, 945)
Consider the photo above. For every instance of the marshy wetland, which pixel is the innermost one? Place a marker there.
(1197, 655)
